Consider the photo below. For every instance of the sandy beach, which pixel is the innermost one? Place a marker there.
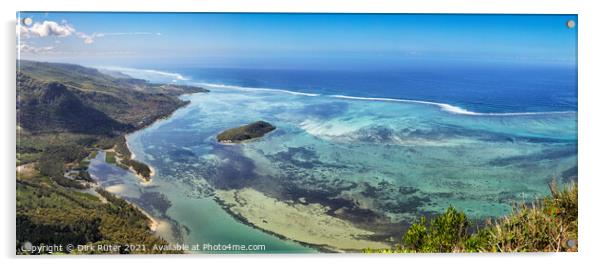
(308, 224)
(143, 180)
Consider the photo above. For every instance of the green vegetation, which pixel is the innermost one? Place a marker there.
(60, 104)
(110, 157)
(125, 159)
(139, 168)
(52, 163)
(52, 107)
(246, 132)
(48, 214)
(441, 235)
(65, 114)
(122, 149)
(548, 225)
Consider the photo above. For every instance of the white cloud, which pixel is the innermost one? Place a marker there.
(49, 28)
(26, 48)
(88, 39)
(45, 29)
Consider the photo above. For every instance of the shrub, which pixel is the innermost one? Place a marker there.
(549, 224)
(444, 233)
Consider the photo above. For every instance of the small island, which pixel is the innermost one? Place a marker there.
(245, 132)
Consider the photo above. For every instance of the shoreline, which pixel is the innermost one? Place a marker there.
(160, 226)
(231, 143)
(350, 244)
(145, 181)
(155, 223)
(337, 236)
(246, 222)
(119, 163)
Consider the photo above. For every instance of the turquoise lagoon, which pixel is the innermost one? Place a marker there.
(391, 159)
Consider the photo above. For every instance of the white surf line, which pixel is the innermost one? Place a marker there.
(140, 73)
(450, 108)
(241, 88)
(446, 107)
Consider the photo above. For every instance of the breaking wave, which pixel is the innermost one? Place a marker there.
(148, 74)
(451, 108)
(155, 75)
(241, 88)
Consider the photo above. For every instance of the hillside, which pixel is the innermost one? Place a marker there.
(65, 103)
(51, 107)
(65, 113)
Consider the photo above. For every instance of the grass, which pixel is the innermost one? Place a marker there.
(546, 225)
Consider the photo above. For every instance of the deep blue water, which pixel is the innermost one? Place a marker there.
(398, 159)
(478, 87)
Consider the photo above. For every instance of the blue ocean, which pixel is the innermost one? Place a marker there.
(485, 87)
(375, 148)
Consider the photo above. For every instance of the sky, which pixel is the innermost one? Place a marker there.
(280, 40)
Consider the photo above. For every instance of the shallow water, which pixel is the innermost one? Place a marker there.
(398, 160)
(190, 218)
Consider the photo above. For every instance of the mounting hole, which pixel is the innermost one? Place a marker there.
(570, 24)
(27, 21)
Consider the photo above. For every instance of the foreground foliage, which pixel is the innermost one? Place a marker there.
(547, 225)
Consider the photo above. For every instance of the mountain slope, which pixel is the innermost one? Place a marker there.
(65, 113)
(61, 104)
(47, 107)
(127, 100)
